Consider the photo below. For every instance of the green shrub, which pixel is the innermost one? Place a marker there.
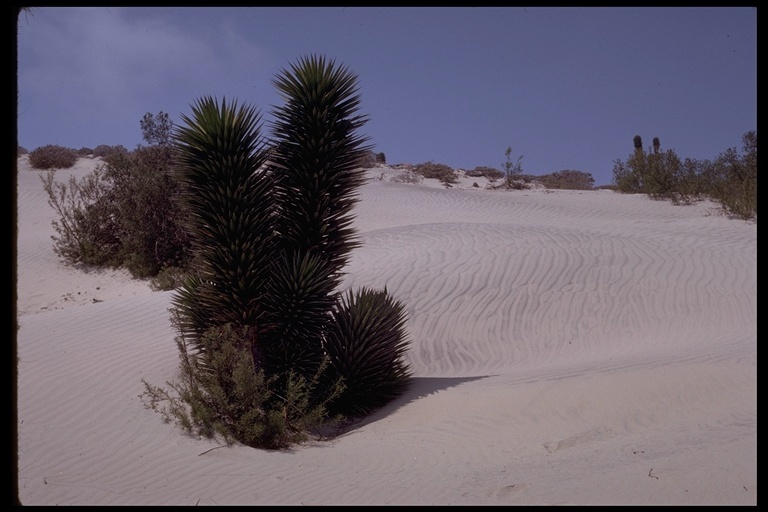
(436, 171)
(145, 197)
(731, 179)
(53, 157)
(568, 180)
(87, 228)
(222, 393)
(126, 213)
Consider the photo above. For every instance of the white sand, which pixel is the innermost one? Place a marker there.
(568, 348)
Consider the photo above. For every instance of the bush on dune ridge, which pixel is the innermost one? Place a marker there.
(124, 214)
(53, 156)
(731, 179)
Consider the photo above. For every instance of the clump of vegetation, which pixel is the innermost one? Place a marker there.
(221, 393)
(489, 173)
(568, 180)
(407, 176)
(125, 213)
(437, 171)
(53, 157)
(104, 150)
(269, 347)
(513, 172)
(21, 150)
(370, 159)
(84, 152)
(731, 179)
(169, 278)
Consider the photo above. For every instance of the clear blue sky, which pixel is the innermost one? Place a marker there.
(566, 88)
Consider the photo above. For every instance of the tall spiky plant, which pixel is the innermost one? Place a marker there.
(230, 217)
(315, 169)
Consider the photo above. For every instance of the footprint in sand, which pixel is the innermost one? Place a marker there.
(582, 437)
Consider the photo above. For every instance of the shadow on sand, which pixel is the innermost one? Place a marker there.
(419, 387)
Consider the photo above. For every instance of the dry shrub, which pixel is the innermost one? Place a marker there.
(53, 157)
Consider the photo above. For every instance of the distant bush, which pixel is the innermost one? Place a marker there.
(84, 151)
(367, 160)
(53, 157)
(488, 172)
(125, 213)
(568, 180)
(407, 176)
(432, 170)
(21, 151)
(104, 150)
(731, 179)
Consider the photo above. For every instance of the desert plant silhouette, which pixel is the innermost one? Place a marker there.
(271, 228)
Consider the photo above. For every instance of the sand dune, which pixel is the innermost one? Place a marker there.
(568, 347)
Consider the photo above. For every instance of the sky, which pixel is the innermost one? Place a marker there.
(563, 88)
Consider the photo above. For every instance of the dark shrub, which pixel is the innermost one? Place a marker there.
(84, 151)
(125, 213)
(488, 172)
(367, 160)
(222, 393)
(145, 197)
(568, 180)
(731, 179)
(432, 170)
(53, 157)
(21, 151)
(88, 229)
(104, 150)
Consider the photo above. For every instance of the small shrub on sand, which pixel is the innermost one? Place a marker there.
(407, 177)
(487, 172)
(568, 180)
(53, 157)
(432, 170)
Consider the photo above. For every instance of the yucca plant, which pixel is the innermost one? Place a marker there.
(271, 231)
(366, 344)
(314, 165)
(227, 195)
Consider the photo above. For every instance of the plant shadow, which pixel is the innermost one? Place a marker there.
(419, 387)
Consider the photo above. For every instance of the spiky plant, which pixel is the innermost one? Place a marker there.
(315, 169)
(227, 196)
(638, 143)
(365, 344)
